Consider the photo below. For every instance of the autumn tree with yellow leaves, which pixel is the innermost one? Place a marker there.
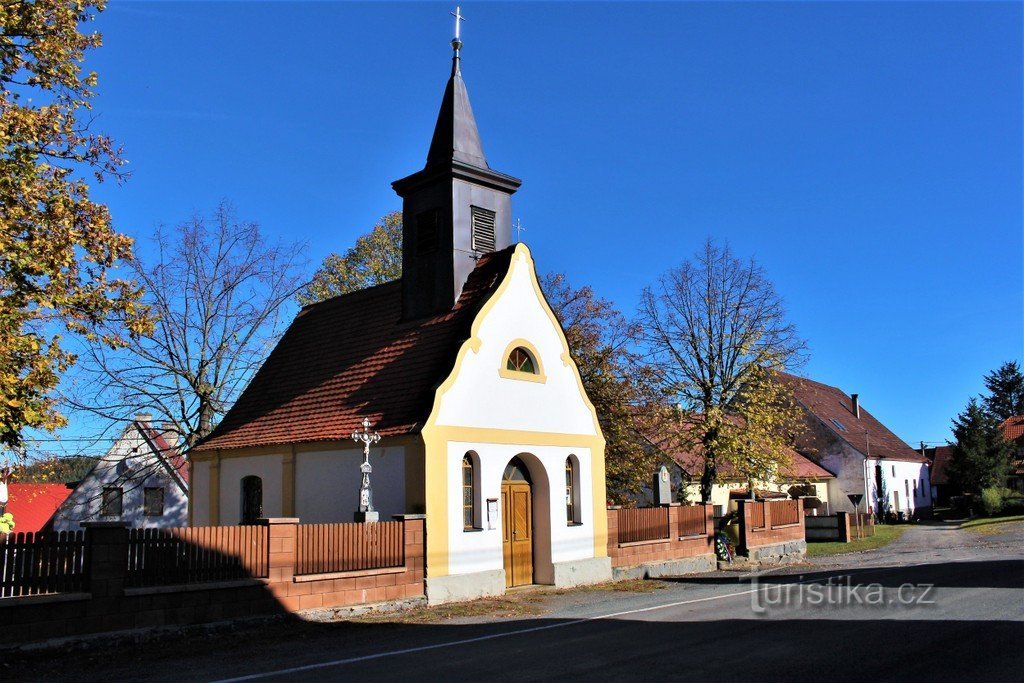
(715, 331)
(58, 250)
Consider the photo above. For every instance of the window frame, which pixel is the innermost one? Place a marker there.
(145, 501)
(573, 508)
(537, 375)
(105, 502)
(473, 460)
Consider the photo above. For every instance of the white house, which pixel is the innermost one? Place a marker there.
(462, 368)
(865, 456)
(141, 481)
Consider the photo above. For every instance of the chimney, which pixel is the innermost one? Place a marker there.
(855, 399)
(144, 418)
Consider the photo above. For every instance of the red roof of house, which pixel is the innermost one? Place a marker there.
(33, 505)
(352, 357)
(833, 407)
(940, 456)
(800, 467)
(174, 457)
(1013, 429)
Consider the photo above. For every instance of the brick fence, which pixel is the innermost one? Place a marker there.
(774, 525)
(107, 604)
(670, 545)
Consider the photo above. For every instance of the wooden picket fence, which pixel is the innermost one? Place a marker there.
(167, 557)
(328, 548)
(757, 515)
(643, 524)
(785, 512)
(693, 520)
(43, 562)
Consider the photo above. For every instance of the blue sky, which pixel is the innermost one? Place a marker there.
(869, 155)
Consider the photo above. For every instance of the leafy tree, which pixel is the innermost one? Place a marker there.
(601, 342)
(715, 330)
(58, 250)
(375, 259)
(216, 288)
(1007, 391)
(980, 457)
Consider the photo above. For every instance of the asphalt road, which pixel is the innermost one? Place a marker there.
(938, 604)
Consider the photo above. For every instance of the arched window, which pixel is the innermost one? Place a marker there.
(572, 490)
(252, 499)
(570, 508)
(468, 493)
(520, 360)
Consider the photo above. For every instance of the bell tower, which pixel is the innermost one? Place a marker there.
(454, 210)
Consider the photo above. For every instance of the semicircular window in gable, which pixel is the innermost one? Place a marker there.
(520, 360)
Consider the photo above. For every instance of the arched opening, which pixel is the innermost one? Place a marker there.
(252, 499)
(526, 522)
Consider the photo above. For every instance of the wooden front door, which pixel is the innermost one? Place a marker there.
(517, 526)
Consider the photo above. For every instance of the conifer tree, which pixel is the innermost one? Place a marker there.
(980, 456)
(1007, 391)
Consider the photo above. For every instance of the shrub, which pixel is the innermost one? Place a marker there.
(992, 500)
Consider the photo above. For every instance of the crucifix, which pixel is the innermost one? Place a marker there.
(518, 227)
(366, 513)
(458, 21)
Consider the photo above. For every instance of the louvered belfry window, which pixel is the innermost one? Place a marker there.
(483, 229)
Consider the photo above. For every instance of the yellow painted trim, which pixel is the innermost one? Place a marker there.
(538, 376)
(435, 438)
(288, 483)
(305, 447)
(215, 490)
(191, 501)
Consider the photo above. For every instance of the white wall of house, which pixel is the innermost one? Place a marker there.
(200, 483)
(555, 539)
(234, 469)
(131, 466)
(906, 484)
(327, 483)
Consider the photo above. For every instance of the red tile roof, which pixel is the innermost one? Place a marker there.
(866, 434)
(33, 505)
(800, 467)
(1013, 429)
(174, 457)
(940, 456)
(352, 357)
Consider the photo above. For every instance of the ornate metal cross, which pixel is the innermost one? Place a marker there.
(365, 437)
(458, 20)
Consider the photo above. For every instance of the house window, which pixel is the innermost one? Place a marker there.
(906, 485)
(572, 490)
(153, 502)
(110, 504)
(894, 470)
(252, 499)
(520, 360)
(483, 228)
(468, 493)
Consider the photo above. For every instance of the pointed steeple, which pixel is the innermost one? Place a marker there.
(455, 134)
(454, 210)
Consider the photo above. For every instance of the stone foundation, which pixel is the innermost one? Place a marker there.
(658, 570)
(789, 552)
(583, 572)
(461, 587)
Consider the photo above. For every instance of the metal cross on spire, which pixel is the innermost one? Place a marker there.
(458, 21)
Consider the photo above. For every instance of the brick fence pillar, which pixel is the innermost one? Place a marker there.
(106, 550)
(282, 539)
